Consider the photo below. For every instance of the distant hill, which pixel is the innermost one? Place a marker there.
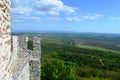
(84, 56)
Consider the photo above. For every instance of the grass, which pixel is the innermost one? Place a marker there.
(95, 78)
(97, 48)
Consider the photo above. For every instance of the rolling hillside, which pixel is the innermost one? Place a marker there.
(73, 56)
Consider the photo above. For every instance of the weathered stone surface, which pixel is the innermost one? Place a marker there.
(35, 60)
(21, 63)
(26, 62)
(16, 61)
(5, 41)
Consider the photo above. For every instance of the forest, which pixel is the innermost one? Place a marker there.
(79, 56)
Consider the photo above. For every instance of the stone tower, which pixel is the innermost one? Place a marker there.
(16, 61)
(5, 41)
(26, 62)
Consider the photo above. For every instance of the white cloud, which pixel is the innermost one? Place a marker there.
(20, 18)
(71, 19)
(85, 17)
(115, 18)
(21, 11)
(91, 17)
(68, 9)
(53, 7)
(25, 10)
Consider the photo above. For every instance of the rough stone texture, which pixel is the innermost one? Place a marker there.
(35, 60)
(26, 63)
(21, 59)
(16, 61)
(5, 41)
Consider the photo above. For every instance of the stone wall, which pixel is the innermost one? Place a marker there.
(26, 63)
(5, 41)
(16, 61)
(20, 59)
(34, 61)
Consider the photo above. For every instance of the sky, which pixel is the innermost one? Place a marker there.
(101, 16)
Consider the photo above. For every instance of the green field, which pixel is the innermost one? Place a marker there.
(79, 56)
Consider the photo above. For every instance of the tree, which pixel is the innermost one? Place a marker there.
(56, 69)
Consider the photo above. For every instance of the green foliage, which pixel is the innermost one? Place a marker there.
(56, 69)
(64, 58)
(30, 45)
(87, 59)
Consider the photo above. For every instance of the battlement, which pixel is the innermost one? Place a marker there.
(17, 62)
(26, 62)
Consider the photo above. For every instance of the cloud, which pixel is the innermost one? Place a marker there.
(68, 9)
(36, 10)
(85, 17)
(53, 7)
(71, 19)
(20, 11)
(20, 18)
(91, 17)
(115, 18)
